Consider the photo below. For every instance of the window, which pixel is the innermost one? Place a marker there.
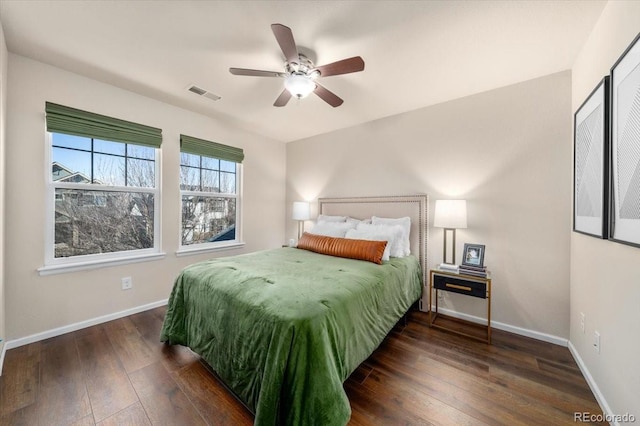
(104, 195)
(209, 182)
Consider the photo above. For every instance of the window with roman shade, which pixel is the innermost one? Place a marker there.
(104, 193)
(210, 174)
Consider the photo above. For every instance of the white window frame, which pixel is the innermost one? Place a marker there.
(53, 265)
(238, 242)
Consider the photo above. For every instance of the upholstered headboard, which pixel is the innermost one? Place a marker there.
(414, 206)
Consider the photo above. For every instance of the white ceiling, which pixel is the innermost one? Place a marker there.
(417, 53)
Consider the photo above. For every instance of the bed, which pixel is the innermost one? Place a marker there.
(284, 328)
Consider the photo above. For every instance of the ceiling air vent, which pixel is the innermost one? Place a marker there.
(202, 92)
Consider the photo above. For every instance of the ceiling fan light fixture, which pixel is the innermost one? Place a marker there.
(299, 85)
(300, 73)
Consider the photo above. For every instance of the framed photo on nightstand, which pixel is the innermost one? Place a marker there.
(473, 255)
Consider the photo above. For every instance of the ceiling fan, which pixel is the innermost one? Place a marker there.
(300, 73)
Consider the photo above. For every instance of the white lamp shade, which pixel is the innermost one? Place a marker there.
(450, 214)
(299, 85)
(301, 210)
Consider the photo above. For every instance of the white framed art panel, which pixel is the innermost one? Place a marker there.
(591, 131)
(625, 146)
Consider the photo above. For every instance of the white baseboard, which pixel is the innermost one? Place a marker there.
(507, 327)
(592, 384)
(11, 344)
(3, 350)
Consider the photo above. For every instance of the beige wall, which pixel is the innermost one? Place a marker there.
(37, 304)
(505, 151)
(605, 278)
(3, 120)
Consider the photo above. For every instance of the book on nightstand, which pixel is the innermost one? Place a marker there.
(476, 271)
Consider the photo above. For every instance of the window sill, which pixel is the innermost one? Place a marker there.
(188, 251)
(95, 264)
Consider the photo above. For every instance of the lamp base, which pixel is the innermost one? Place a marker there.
(445, 258)
(449, 267)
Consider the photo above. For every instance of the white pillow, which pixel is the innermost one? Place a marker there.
(354, 221)
(358, 221)
(331, 229)
(328, 218)
(405, 222)
(372, 235)
(396, 232)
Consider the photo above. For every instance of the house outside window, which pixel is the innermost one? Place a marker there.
(210, 175)
(104, 196)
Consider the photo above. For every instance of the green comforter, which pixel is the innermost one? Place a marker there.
(284, 328)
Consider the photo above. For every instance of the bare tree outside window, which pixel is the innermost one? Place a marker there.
(90, 222)
(208, 199)
(206, 219)
(94, 211)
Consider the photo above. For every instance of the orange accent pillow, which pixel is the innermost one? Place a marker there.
(370, 251)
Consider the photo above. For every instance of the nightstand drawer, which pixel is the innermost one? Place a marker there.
(462, 286)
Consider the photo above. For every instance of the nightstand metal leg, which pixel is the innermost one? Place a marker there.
(489, 311)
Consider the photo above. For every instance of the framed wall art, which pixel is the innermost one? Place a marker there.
(625, 147)
(590, 163)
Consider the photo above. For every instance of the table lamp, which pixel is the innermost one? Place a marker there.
(301, 212)
(450, 215)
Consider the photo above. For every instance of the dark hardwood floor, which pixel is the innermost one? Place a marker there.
(118, 373)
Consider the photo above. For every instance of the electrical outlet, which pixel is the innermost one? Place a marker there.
(582, 321)
(596, 341)
(127, 283)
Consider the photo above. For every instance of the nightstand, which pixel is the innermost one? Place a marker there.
(469, 285)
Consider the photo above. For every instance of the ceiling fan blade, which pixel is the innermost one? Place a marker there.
(328, 96)
(282, 99)
(255, 73)
(284, 37)
(344, 66)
